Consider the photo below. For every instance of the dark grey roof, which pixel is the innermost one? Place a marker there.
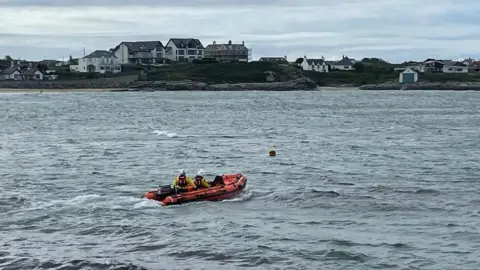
(344, 62)
(232, 47)
(9, 70)
(281, 59)
(100, 54)
(184, 42)
(30, 71)
(459, 64)
(140, 46)
(315, 61)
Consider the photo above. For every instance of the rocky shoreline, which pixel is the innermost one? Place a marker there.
(447, 86)
(131, 83)
(188, 85)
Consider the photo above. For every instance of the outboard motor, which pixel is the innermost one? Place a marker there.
(165, 190)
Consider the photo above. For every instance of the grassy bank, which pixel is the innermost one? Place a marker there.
(214, 73)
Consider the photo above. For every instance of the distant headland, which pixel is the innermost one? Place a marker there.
(184, 64)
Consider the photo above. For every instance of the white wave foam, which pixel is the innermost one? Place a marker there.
(93, 201)
(242, 197)
(165, 133)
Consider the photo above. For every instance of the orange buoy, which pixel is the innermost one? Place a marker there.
(272, 152)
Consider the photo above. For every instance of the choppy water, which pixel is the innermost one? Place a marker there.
(362, 180)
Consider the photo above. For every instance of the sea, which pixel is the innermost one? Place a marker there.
(361, 180)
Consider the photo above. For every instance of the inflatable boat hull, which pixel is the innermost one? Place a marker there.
(230, 186)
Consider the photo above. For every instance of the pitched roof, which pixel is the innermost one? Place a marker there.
(30, 71)
(183, 42)
(344, 62)
(227, 46)
(281, 59)
(10, 70)
(459, 64)
(315, 62)
(100, 54)
(139, 46)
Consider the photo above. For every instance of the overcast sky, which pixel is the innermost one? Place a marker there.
(392, 30)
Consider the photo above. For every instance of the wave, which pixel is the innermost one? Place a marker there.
(385, 189)
(246, 195)
(27, 263)
(165, 133)
(95, 201)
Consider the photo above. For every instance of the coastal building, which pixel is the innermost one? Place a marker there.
(442, 66)
(32, 74)
(140, 52)
(454, 67)
(11, 73)
(318, 65)
(431, 65)
(18, 73)
(229, 52)
(408, 76)
(344, 64)
(278, 60)
(99, 61)
(184, 49)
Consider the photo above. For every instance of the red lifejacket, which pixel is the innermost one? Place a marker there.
(198, 180)
(182, 181)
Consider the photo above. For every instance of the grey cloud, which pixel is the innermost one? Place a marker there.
(194, 3)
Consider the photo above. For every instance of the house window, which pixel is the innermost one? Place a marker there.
(181, 58)
(37, 76)
(191, 52)
(181, 52)
(459, 69)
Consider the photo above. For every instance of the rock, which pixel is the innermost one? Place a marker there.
(177, 85)
(269, 76)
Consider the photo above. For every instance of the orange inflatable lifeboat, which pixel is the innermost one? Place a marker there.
(224, 186)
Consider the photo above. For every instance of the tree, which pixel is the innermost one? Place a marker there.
(42, 67)
(359, 67)
(299, 60)
(8, 58)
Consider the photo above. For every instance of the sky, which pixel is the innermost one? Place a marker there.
(395, 31)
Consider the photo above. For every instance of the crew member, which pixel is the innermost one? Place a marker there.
(182, 182)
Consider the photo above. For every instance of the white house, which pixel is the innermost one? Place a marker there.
(99, 61)
(318, 65)
(140, 52)
(11, 73)
(74, 68)
(184, 49)
(344, 64)
(408, 76)
(454, 67)
(32, 74)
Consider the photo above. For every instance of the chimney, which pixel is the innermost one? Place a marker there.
(214, 42)
(229, 42)
(285, 57)
(12, 63)
(243, 43)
